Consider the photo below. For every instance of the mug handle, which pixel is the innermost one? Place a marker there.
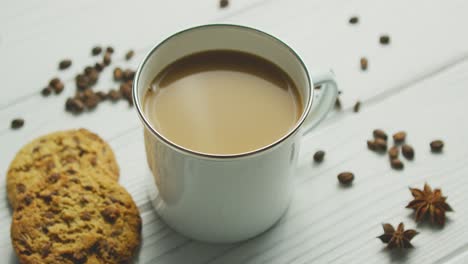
(326, 99)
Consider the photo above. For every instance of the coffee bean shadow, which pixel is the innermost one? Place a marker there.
(399, 255)
(344, 186)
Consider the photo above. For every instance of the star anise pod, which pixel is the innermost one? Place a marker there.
(429, 201)
(399, 238)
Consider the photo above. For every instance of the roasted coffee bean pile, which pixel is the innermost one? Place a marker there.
(86, 98)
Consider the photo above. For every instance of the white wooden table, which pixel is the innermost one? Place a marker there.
(419, 83)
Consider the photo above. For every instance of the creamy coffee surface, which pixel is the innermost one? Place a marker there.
(222, 102)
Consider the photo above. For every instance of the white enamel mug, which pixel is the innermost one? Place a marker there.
(227, 198)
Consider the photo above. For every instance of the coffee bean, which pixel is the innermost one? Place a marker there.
(396, 164)
(364, 63)
(399, 137)
(128, 75)
(381, 145)
(46, 91)
(223, 3)
(384, 39)
(357, 106)
(338, 104)
(88, 69)
(107, 59)
(129, 54)
(98, 66)
(82, 81)
(93, 76)
(110, 49)
(379, 133)
(114, 95)
(319, 155)
(90, 99)
(118, 74)
(56, 85)
(74, 105)
(64, 64)
(96, 51)
(408, 151)
(54, 81)
(17, 123)
(437, 146)
(346, 178)
(393, 152)
(371, 145)
(102, 96)
(58, 88)
(353, 20)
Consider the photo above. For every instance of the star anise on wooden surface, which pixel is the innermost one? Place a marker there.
(430, 201)
(397, 239)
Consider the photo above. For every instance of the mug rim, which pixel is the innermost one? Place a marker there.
(147, 124)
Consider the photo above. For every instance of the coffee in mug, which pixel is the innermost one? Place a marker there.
(223, 102)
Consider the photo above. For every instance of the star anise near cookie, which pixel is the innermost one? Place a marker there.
(428, 202)
(397, 239)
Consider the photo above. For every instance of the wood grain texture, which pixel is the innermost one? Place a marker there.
(418, 83)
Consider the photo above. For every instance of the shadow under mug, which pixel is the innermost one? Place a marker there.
(227, 198)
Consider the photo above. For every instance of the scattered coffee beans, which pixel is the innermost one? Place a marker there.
(223, 3)
(96, 51)
(384, 39)
(85, 98)
(379, 133)
(399, 137)
(393, 152)
(407, 151)
(64, 64)
(363, 63)
(396, 164)
(437, 146)
(319, 155)
(353, 20)
(357, 106)
(346, 178)
(17, 123)
(129, 54)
